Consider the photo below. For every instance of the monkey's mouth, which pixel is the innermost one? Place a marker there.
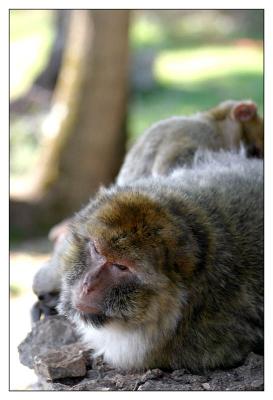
(95, 319)
(89, 314)
(88, 309)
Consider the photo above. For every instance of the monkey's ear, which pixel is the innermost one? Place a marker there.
(244, 111)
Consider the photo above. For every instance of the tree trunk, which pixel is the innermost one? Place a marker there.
(48, 77)
(85, 138)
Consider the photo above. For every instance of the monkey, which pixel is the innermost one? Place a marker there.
(167, 271)
(47, 281)
(46, 304)
(173, 142)
(166, 145)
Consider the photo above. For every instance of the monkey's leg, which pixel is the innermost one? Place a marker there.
(44, 307)
(35, 312)
(174, 156)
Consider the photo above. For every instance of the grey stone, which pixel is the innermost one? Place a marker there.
(152, 374)
(68, 361)
(206, 386)
(54, 386)
(63, 362)
(163, 386)
(249, 376)
(94, 386)
(178, 373)
(237, 379)
(47, 334)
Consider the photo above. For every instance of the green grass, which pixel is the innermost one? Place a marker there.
(195, 66)
(200, 62)
(193, 28)
(183, 99)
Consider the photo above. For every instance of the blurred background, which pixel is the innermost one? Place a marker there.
(83, 86)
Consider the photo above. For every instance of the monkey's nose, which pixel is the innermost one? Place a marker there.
(89, 283)
(87, 287)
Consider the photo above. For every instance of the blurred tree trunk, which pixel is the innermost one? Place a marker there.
(48, 77)
(84, 141)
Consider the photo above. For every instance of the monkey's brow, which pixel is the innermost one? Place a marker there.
(119, 238)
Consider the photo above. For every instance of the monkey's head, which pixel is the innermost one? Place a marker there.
(124, 262)
(242, 117)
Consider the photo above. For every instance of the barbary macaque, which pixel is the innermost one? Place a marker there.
(47, 281)
(166, 145)
(126, 299)
(173, 142)
(167, 272)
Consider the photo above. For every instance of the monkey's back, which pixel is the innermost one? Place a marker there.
(167, 144)
(228, 189)
(229, 182)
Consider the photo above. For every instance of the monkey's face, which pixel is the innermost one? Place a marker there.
(114, 267)
(254, 137)
(252, 127)
(240, 122)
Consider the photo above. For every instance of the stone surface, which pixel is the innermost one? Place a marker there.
(51, 333)
(58, 369)
(68, 361)
(247, 377)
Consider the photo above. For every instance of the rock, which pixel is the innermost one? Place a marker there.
(100, 365)
(206, 386)
(152, 374)
(68, 361)
(58, 387)
(178, 373)
(62, 363)
(163, 386)
(248, 376)
(91, 385)
(51, 333)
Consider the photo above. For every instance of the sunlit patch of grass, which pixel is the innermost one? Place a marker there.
(194, 66)
(169, 100)
(31, 36)
(145, 32)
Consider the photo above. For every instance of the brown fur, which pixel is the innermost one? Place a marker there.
(192, 296)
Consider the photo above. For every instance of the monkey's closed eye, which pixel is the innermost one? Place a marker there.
(120, 267)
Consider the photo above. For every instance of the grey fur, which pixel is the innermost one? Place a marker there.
(219, 200)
